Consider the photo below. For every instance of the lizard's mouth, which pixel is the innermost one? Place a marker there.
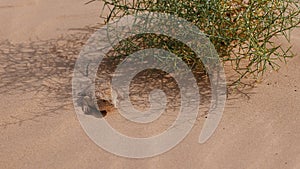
(103, 113)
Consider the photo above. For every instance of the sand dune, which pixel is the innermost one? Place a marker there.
(40, 129)
(31, 19)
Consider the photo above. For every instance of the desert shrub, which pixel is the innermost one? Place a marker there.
(242, 31)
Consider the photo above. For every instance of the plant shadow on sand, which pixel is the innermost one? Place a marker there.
(45, 68)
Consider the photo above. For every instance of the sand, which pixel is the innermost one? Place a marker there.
(259, 129)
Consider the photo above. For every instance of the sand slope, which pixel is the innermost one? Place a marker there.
(22, 20)
(260, 132)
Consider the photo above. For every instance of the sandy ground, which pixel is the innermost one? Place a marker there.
(40, 129)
